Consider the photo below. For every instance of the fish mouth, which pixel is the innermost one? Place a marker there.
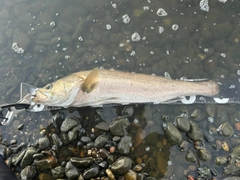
(39, 96)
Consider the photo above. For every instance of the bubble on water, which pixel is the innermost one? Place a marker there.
(169, 163)
(232, 86)
(161, 12)
(223, 55)
(17, 49)
(167, 75)
(52, 24)
(160, 29)
(108, 26)
(67, 57)
(132, 53)
(64, 49)
(204, 5)
(126, 18)
(147, 149)
(175, 27)
(223, 1)
(145, 8)
(205, 50)
(136, 37)
(210, 119)
(238, 72)
(80, 38)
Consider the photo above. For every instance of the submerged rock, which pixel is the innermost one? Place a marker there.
(68, 124)
(122, 165)
(71, 172)
(173, 134)
(118, 126)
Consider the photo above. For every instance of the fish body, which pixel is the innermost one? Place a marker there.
(98, 87)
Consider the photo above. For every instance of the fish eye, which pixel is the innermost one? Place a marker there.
(49, 86)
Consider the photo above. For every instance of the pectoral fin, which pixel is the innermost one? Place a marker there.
(90, 82)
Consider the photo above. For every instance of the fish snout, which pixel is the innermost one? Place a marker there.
(39, 96)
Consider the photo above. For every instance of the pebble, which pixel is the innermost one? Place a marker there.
(57, 140)
(195, 132)
(100, 141)
(125, 145)
(91, 173)
(72, 135)
(68, 124)
(43, 143)
(183, 124)
(173, 134)
(29, 172)
(28, 157)
(118, 126)
(110, 174)
(70, 171)
(46, 163)
(58, 172)
(131, 175)
(191, 157)
(82, 162)
(85, 139)
(102, 126)
(122, 165)
(220, 160)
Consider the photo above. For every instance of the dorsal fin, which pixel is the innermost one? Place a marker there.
(91, 81)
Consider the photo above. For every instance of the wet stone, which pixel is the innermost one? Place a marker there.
(191, 157)
(226, 129)
(173, 134)
(29, 172)
(204, 154)
(102, 126)
(125, 145)
(183, 124)
(81, 162)
(204, 172)
(127, 111)
(58, 172)
(57, 140)
(122, 165)
(58, 119)
(85, 139)
(47, 163)
(43, 143)
(91, 173)
(71, 172)
(101, 141)
(233, 166)
(72, 135)
(208, 137)
(130, 175)
(68, 124)
(28, 157)
(221, 160)
(195, 132)
(118, 126)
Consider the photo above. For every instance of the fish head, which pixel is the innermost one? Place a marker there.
(58, 93)
(63, 92)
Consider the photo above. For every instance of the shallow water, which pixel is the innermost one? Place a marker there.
(62, 37)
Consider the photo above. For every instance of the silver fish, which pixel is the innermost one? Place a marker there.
(98, 87)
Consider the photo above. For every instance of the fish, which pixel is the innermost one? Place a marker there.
(99, 87)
